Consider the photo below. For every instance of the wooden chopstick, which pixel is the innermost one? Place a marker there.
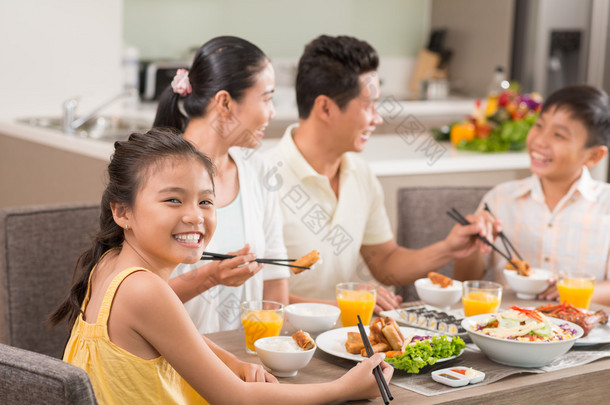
(275, 262)
(505, 240)
(459, 218)
(386, 394)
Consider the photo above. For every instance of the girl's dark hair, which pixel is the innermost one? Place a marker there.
(126, 174)
(587, 104)
(332, 66)
(223, 63)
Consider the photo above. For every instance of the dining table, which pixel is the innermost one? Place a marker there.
(573, 385)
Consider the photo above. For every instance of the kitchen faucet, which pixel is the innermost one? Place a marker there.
(71, 124)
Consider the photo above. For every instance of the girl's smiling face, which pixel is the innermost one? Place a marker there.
(556, 145)
(173, 216)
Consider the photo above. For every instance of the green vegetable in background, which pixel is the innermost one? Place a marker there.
(508, 136)
(427, 352)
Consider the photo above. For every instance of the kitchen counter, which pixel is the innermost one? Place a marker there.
(53, 167)
(388, 154)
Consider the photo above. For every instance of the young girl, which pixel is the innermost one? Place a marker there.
(158, 211)
(559, 218)
(223, 105)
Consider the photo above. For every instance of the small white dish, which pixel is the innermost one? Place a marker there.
(450, 377)
(281, 356)
(312, 317)
(433, 294)
(527, 288)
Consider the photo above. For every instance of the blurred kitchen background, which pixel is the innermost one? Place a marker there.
(437, 57)
(56, 50)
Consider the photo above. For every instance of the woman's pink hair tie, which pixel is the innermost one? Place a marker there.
(181, 84)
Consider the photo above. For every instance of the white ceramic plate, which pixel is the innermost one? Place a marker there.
(333, 341)
(598, 335)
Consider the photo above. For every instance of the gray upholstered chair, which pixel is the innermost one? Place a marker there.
(39, 246)
(31, 378)
(422, 219)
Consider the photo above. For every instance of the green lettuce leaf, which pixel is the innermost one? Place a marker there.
(427, 352)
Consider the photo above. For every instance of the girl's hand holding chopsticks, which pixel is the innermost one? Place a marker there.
(360, 382)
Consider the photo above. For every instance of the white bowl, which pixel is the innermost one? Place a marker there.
(433, 294)
(516, 353)
(280, 358)
(527, 288)
(312, 317)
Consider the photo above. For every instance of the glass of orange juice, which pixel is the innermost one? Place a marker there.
(481, 297)
(261, 319)
(356, 299)
(576, 288)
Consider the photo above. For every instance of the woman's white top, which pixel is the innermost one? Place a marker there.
(253, 217)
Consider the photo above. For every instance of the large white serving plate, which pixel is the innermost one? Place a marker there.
(333, 341)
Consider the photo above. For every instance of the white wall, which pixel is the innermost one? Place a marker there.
(54, 50)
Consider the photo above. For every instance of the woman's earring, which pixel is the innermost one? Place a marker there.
(127, 227)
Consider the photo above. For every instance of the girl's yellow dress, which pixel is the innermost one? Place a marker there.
(117, 376)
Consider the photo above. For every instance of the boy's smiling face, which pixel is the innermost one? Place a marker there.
(556, 145)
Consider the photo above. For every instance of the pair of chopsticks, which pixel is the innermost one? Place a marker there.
(275, 262)
(507, 245)
(381, 382)
(459, 218)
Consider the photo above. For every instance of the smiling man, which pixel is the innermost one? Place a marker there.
(330, 199)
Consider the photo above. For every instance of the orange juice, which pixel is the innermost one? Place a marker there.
(260, 324)
(476, 303)
(576, 291)
(354, 303)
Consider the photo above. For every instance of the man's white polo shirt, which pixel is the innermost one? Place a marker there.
(315, 219)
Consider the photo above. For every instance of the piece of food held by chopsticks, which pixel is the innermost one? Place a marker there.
(409, 353)
(308, 260)
(523, 267)
(440, 280)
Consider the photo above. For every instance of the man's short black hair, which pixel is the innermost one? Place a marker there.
(331, 66)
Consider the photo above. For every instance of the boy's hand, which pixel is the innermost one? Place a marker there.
(551, 293)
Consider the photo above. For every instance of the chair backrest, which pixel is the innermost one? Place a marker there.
(422, 219)
(31, 378)
(39, 246)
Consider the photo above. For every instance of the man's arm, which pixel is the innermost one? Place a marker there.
(391, 264)
(470, 268)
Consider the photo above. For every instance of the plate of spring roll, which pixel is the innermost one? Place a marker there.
(397, 342)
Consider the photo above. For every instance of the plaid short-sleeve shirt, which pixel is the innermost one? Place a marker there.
(574, 236)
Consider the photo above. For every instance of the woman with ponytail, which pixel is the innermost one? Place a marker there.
(223, 104)
(158, 211)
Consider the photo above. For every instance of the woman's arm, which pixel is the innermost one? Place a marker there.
(276, 290)
(231, 272)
